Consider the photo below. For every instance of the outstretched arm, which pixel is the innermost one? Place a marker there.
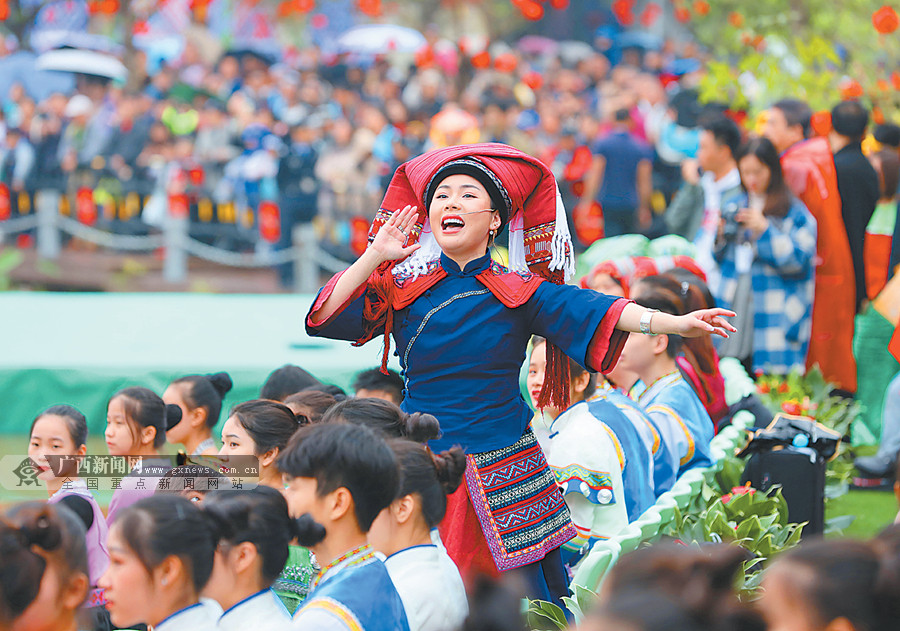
(694, 324)
(387, 246)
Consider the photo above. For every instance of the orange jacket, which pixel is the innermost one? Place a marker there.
(809, 172)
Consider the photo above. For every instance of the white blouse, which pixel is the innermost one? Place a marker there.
(263, 611)
(197, 617)
(430, 587)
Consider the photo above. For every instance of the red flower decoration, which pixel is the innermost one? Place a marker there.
(682, 14)
(895, 80)
(851, 89)
(532, 10)
(885, 20)
(622, 9)
(506, 62)
(736, 19)
(559, 5)
(533, 80)
(701, 7)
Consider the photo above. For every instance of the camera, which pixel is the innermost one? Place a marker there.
(732, 227)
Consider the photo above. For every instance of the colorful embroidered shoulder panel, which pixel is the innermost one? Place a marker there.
(596, 486)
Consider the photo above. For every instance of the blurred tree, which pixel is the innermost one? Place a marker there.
(817, 50)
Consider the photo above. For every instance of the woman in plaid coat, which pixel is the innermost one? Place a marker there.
(766, 249)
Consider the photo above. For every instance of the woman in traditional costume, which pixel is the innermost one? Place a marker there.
(461, 324)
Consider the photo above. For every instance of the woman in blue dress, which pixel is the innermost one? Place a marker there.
(461, 325)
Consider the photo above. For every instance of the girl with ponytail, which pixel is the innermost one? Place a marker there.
(57, 443)
(263, 428)
(425, 577)
(255, 532)
(669, 400)
(588, 459)
(161, 553)
(136, 423)
(200, 399)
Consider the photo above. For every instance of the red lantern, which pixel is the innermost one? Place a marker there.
(85, 208)
(533, 80)
(285, 8)
(195, 174)
(622, 9)
(821, 123)
(481, 60)
(650, 14)
(424, 57)
(559, 5)
(4, 10)
(269, 221)
(682, 14)
(359, 235)
(506, 62)
(588, 221)
(532, 10)
(5, 205)
(179, 206)
(372, 8)
(885, 20)
(701, 7)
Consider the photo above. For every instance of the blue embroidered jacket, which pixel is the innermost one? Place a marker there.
(462, 341)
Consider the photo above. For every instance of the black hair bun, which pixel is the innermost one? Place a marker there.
(41, 531)
(421, 427)
(222, 383)
(173, 416)
(81, 507)
(451, 467)
(308, 531)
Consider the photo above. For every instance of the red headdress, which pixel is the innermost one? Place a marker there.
(539, 240)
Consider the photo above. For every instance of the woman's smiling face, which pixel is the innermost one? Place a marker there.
(461, 218)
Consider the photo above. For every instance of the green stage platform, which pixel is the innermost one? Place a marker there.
(81, 348)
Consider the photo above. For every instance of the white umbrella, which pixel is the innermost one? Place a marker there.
(82, 62)
(374, 39)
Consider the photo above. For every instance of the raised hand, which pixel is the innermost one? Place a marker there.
(705, 322)
(390, 242)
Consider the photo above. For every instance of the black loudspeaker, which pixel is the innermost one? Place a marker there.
(801, 474)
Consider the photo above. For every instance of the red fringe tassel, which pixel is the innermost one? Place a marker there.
(378, 312)
(555, 391)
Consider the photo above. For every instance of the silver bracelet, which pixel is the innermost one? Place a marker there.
(646, 317)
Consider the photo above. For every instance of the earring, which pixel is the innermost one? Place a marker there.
(165, 580)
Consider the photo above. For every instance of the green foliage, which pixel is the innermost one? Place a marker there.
(792, 49)
(755, 521)
(9, 260)
(544, 616)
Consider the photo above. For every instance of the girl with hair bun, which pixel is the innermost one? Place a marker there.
(64, 584)
(255, 532)
(426, 578)
(386, 418)
(57, 441)
(25, 541)
(136, 423)
(833, 585)
(461, 324)
(262, 428)
(161, 555)
(200, 399)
